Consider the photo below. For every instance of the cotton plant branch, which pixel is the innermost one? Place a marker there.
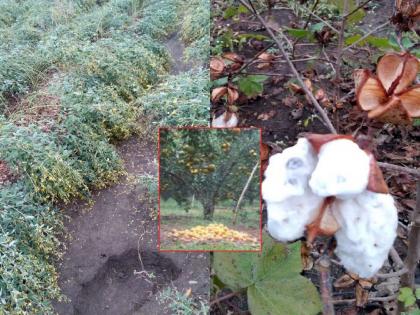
(413, 252)
(367, 35)
(312, 98)
(340, 49)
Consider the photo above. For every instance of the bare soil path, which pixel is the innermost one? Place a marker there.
(98, 269)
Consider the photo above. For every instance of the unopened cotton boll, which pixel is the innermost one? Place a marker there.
(286, 220)
(368, 230)
(288, 172)
(342, 170)
(222, 122)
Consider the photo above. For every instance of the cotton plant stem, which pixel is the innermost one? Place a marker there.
(238, 204)
(312, 98)
(366, 35)
(373, 299)
(341, 41)
(413, 252)
(324, 265)
(402, 169)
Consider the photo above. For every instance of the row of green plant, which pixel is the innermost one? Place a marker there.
(86, 69)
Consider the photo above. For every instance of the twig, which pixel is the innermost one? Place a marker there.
(341, 41)
(392, 274)
(322, 20)
(373, 299)
(413, 252)
(402, 169)
(357, 9)
(396, 258)
(366, 35)
(224, 297)
(318, 107)
(325, 285)
(309, 17)
(255, 57)
(235, 216)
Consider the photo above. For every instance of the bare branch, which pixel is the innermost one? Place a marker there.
(318, 107)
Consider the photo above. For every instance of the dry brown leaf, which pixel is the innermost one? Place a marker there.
(362, 296)
(218, 93)
(217, 66)
(233, 57)
(267, 115)
(305, 255)
(233, 95)
(344, 281)
(266, 57)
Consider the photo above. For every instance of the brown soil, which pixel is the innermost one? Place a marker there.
(97, 272)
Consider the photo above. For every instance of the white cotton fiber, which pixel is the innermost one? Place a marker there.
(286, 220)
(368, 230)
(220, 122)
(288, 172)
(342, 170)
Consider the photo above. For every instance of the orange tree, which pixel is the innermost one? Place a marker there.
(211, 164)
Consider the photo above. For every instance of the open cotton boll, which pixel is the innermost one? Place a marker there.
(342, 170)
(368, 230)
(226, 120)
(286, 220)
(288, 172)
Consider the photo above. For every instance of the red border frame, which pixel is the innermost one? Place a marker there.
(198, 250)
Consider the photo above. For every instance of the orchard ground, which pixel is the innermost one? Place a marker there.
(173, 217)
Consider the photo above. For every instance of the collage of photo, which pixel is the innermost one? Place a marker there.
(209, 157)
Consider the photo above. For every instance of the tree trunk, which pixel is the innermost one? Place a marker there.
(208, 210)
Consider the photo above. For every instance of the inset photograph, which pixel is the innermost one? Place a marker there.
(209, 189)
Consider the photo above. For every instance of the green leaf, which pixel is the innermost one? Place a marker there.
(407, 43)
(317, 27)
(407, 296)
(272, 278)
(352, 5)
(378, 42)
(253, 36)
(219, 82)
(301, 34)
(417, 291)
(252, 85)
(242, 9)
(230, 12)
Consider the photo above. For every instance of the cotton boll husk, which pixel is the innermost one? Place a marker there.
(288, 172)
(368, 230)
(286, 220)
(342, 170)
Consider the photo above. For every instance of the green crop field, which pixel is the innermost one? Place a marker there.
(76, 77)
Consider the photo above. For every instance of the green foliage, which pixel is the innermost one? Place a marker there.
(252, 85)
(28, 246)
(409, 297)
(48, 168)
(180, 100)
(272, 279)
(180, 304)
(301, 34)
(213, 164)
(195, 30)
